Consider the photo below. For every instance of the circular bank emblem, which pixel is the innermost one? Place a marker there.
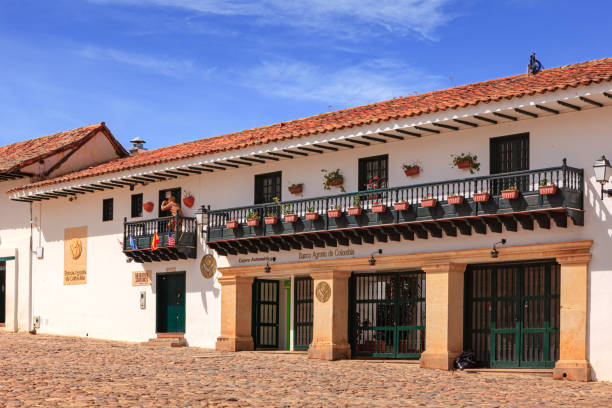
(323, 292)
(76, 247)
(208, 266)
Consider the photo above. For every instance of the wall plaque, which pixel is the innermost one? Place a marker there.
(75, 256)
(208, 266)
(142, 278)
(323, 292)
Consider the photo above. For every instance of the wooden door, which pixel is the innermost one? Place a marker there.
(171, 303)
(265, 313)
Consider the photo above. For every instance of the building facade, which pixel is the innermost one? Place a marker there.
(416, 228)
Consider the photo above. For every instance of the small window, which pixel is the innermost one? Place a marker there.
(163, 195)
(136, 205)
(373, 172)
(107, 209)
(267, 186)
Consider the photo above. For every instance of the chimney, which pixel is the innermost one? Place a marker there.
(138, 145)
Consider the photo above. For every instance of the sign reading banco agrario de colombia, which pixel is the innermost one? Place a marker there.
(75, 256)
(305, 255)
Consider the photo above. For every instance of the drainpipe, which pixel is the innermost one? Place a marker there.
(30, 300)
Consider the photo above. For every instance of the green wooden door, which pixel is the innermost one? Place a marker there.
(388, 314)
(171, 303)
(265, 313)
(512, 314)
(303, 313)
(2, 292)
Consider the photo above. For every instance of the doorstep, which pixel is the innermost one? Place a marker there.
(545, 372)
(170, 335)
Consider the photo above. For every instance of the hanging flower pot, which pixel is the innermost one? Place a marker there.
(334, 213)
(148, 206)
(510, 194)
(412, 171)
(548, 190)
(379, 208)
(189, 201)
(253, 222)
(481, 197)
(291, 217)
(428, 202)
(401, 206)
(464, 164)
(271, 220)
(312, 216)
(456, 200)
(231, 224)
(355, 210)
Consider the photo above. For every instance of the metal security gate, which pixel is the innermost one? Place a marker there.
(265, 313)
(388, 314)
(512, 314)
(303, 313)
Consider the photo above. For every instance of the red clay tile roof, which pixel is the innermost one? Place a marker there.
(548, 80)
(21, 154)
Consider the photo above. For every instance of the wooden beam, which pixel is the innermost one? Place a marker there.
(433, 229)
(592, 102)
(161, 174)
(374, 139)
(322, 146)
(109, 185)
(254, 160)
(365, 236)
(426, 129)
(353, 237)
(482, 118)
(227, 165)
(281, 243)
(361, 142)
(444, 126)
(201, 169)
(348, 146)
(526, 112)
(328, 238)
(380, 235)
(391, 233)
(188, 169)
(543, 220)
(465, 122)
(339, 237)
(295, 152)
(405, 232)
(210, 166)
(239, 162)
(478, 225)
(261, 156)
(407, 132)
(509, 222)
(448, 227)
(463, 226)
(569, 105)
(283, 155)
(607, 95)
(493, 223)
(310, 149)
(177, 172)
(559, 217)
(547, 109)
(418, 230)
(397, 137)
(525, 220)
(503, 115)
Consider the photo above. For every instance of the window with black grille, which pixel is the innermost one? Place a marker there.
(373, 172)
(107, 209)
(165, 194)
(267, 186)
(509, 153)
(136, 205)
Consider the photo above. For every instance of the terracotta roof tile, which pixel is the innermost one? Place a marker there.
(547, 80)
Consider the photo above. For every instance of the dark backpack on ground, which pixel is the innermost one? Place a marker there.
(467, 359)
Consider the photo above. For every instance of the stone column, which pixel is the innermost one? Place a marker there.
(331, 315)
(236, 304)
(573, 363)
(444, 314)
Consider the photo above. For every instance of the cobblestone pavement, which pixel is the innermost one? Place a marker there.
(65, 371)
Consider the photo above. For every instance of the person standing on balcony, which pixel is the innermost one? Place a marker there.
(170, 204)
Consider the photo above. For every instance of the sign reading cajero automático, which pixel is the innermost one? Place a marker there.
(75, 256)
(141, 278)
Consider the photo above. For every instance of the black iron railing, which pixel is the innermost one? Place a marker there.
(564, 177)
(171, 231)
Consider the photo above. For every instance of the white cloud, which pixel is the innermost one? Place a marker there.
(170, 67)
(373, 81)
(349, 17)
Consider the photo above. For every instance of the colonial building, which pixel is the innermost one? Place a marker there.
(467, 218)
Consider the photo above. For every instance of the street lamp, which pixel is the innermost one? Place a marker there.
(202, 219)
(603, 171)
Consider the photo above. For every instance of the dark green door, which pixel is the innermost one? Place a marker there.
(265, 313)
(512, 314)
(171, 303)
(388, 314)
(2, 292)
(302, 315)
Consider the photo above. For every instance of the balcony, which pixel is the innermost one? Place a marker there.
(138, 239)
(457, 208)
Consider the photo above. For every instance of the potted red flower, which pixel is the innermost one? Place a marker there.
(296, 188)
(428, 202)
(411, 169)
(401, 206)
(253, 219)
(466, 161)
(511, 193)
(455, 199)
(481, 197)
(188, 200)
(148, 206)
(333, 179)
(335, 212)
(356, 208)
(271, 219)
(375, 184)
(378, 207)
(547, 188)
(231, 224)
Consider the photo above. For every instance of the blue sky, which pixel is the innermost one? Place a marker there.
(171, 71)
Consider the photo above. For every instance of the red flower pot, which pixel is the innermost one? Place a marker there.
(231, 224)
(148, 206)
(548, 190)
(334, 213)
(379, 208)
(465, 164)
(291, 218)
(428, 202)
(296, 190)
(510, 194)
(401, 206)
(456, 200)
(253, 222)
(188, 201)
(481, 197)
(271, 220)
(336, 182)
(312, 216)
(413, 171)
(355, 210)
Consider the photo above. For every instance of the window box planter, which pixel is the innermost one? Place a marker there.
(253, 222)
(296, 189)
(291, 217)
(464, 164)
(510, 194)
(456, 200)
(403, 206)
(379, 208)
(231, 224)
(428, 202)
(481, 197)
(334, 213)
(312, 216)
(413, 171)
(355, 210)
(548, 190)
(271, 220)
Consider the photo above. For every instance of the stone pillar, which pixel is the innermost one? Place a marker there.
(331, 315)
(236, 304)
(573, 363)
(444, 314)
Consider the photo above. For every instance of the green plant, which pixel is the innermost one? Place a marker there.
(296, 187)
(253, 215)
(333, 179)
(356, 200)
(287, 209)
(271, 214)
(336, 207)
(467, 157)
(544, 182)
(512, 187)
(310, 209)
(409, 166)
